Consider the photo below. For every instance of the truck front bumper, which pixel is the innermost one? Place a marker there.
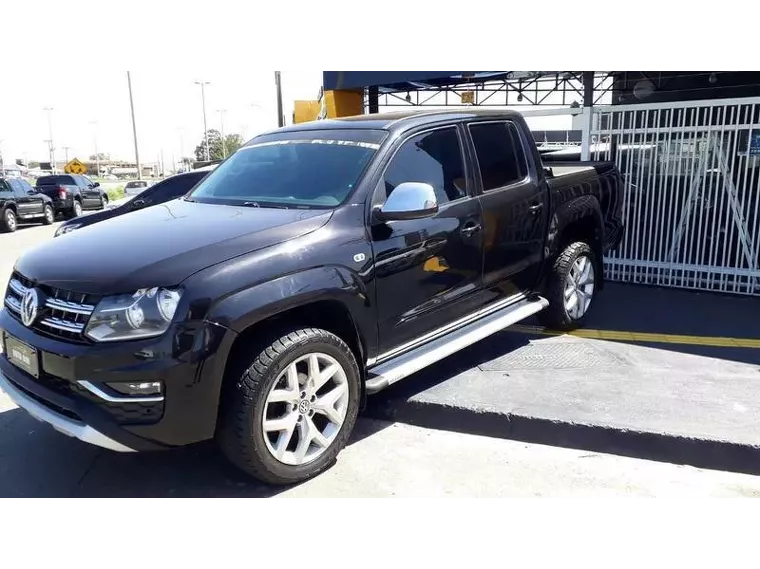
(71, 388)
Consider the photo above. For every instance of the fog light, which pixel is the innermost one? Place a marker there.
(137, 389)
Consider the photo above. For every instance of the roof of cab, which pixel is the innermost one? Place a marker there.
(401, 120)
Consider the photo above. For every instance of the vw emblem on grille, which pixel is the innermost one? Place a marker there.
(30, 305)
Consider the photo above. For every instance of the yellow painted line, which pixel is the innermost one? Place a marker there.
(621, 335)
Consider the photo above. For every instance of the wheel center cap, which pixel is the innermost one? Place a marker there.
(304, 406)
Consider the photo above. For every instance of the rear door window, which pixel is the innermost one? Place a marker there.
(18, 189)
(500, 154)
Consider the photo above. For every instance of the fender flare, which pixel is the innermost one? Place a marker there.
(246, 307)
(572, 211)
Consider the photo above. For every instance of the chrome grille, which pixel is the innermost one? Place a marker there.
(64, 314)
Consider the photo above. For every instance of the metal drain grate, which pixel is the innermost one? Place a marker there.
(553, 355)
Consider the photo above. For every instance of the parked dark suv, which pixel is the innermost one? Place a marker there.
(318, 264)
(20, 202)
(161, 192)
(72, 194)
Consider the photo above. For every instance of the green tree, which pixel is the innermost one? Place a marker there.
(216, 150)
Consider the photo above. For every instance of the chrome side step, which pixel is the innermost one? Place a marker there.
(389, 372)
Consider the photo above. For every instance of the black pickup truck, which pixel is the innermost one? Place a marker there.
(21, 203)
(72, 193)
(319, 263)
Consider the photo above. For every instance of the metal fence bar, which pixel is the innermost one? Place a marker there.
(744, 163)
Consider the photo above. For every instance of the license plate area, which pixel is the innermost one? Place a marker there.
(22, 356)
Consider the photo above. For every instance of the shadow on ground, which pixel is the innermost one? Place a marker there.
(36, 461)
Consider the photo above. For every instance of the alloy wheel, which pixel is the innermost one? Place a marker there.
(10, 220)
(579, 287)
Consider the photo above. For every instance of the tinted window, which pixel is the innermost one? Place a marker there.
(434, 158)
(5, 189)
(500, 154)
(18, 191)
(56, 180)
(302, 171)
(26, 186)
(171, 188)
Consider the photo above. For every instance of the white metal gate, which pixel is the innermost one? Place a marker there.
(691, 208)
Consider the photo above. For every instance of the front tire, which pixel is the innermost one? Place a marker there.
(571, 287)
(104, 201)
(292, 406)
(9, 221)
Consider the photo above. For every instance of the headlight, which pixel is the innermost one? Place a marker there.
(67, 229)
(146, 313)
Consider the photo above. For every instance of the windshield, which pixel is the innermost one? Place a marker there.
(299, 173)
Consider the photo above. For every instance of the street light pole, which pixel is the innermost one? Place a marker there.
(66, 153)
(278, 83)
(51, 146)
(205, 127)
(97, 156)
(224, 143)
(134, 126)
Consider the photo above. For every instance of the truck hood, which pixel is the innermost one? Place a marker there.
(161, 245)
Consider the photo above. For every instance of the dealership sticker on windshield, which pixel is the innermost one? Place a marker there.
(360, 144)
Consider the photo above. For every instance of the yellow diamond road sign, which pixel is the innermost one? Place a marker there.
(75, 167)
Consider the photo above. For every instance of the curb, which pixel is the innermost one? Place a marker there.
(662, 447)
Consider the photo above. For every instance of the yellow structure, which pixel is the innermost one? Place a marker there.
(337, 104)
(344, 103)
(305, 111)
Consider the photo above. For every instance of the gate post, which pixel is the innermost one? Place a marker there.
(588, 108)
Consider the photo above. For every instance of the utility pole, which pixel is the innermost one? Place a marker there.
(51, 146)
(134, 126)
(97, 156)
(278, 84)
(205, 128)
(224, 143)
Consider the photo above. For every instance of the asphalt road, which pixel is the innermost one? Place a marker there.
(384, 459)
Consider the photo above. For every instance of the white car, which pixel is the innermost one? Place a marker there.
(135, 187)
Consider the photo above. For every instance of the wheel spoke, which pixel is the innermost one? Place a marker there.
(281, 423)
(281, 446)
(313, 368)
(586, 271)
(569, 289)
(291, 392)
(325, 375)
(325, 405)
(571, 302)
(318, 438)
(306, 431)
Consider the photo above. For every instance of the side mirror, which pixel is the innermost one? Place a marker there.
(96, 185)
(31, 193)
(409, 200)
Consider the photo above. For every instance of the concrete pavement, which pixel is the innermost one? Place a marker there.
(383, 460)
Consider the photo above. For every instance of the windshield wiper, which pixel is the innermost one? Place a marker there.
(266, 205)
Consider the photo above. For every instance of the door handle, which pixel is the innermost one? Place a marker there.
(535, 208)
(470, 230)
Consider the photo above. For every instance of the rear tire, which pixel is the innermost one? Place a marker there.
(48, 215)
(9, 223)
(571, 287)
(76, 210)
(289, 409)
